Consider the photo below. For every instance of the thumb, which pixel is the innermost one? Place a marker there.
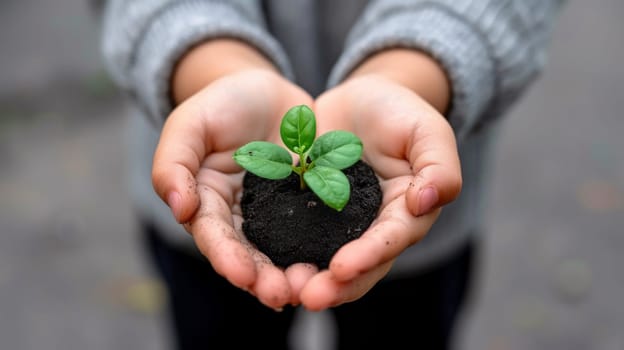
(176, 162)
(436, 167)
(176, 186)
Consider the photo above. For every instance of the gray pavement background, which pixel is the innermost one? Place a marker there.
(72, 274)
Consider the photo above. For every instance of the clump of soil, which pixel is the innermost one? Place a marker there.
(291, 225)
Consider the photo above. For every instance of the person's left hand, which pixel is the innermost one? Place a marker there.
(412, 149)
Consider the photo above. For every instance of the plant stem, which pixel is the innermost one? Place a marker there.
(304, 167)
(302, 184)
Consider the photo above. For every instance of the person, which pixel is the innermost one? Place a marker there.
(422, 83)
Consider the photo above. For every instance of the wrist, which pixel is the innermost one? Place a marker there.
(212, 60)
(413, 69)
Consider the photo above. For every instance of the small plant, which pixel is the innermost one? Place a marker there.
(320, 160)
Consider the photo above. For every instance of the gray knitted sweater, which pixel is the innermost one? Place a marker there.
(491, 49)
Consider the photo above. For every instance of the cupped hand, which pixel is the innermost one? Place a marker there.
(194, 173)
(412, 149)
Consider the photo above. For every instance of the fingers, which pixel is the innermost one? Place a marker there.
(432, 153)
(176, 161)
(324, 290)
(218, 235)
(391, 233)
(359, 265)
(298, 275)
(213, 229)
(271, 286)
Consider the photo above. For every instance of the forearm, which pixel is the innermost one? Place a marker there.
(414, 70)
(211, 60)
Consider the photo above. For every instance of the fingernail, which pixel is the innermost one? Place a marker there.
(427, 200)
(174, 200)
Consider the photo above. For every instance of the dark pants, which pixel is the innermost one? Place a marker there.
(208, 313)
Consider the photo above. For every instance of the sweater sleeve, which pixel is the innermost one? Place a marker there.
(491, 49)
(142, 40)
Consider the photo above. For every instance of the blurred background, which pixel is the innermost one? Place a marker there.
(72, 274)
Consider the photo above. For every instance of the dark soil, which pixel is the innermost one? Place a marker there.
(291, 225)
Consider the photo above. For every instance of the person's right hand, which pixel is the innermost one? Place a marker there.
(194, 173)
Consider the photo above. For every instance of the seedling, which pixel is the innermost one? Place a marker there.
(320, 159)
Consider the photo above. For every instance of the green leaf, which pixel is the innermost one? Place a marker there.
(298, 129)
(264, 159)
(337, 149)
(330, 185)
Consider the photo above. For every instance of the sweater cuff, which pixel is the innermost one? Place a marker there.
(457, 45)
(174, 31)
